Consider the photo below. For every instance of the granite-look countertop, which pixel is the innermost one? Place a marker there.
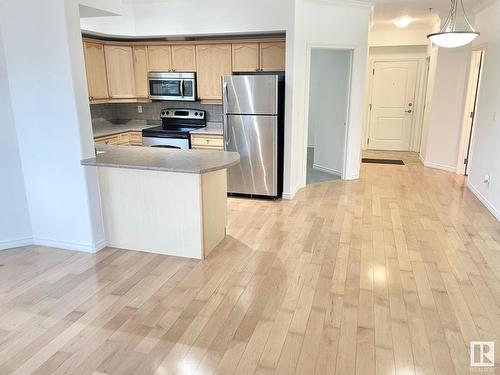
(160, 159)
(103, 128)
(212, 128)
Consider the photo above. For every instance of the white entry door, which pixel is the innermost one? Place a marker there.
(392, 105)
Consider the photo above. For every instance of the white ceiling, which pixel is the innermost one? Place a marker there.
(385, 11)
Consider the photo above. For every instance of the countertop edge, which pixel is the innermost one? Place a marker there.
(92, 162)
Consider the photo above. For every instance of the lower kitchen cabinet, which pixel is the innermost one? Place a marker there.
(207, 142)
(133, 138)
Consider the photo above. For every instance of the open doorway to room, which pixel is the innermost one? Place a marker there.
(473, 87)
(329, 88)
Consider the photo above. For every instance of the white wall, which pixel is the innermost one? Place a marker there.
(328, 24)
(46, 74)
(328, 100)
(398, 37)
(15, 226)
(445, 116)
(485, 154)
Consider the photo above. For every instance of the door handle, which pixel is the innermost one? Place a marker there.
(181, 87)
(408, 111)
(226, 117)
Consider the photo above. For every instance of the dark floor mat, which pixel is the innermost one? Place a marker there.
(382, 161)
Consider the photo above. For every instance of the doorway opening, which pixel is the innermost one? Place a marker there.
(473, 87)
(329, 90)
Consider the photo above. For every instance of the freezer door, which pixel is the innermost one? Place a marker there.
(255, 139)
(250, 94)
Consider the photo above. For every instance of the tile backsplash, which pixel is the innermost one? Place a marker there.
(150, 111)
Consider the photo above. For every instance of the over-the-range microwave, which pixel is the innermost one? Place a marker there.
(172, 86)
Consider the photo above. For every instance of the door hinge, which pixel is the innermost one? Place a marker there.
(370, 107)
(466, 161)
(368, 142)
(373, 71)
(472, 114)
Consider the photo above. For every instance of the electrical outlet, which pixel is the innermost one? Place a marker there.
(139, 109)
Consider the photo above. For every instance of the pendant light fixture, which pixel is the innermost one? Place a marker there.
(451, 34)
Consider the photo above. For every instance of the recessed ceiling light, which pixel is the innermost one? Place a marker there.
(402, 21)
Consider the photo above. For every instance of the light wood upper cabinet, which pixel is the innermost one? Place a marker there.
(213, 61)
(245, 57)
(141, 71)
(95, 64)
(272, 56)
(159, 58)
(183, 58)
(120, 68)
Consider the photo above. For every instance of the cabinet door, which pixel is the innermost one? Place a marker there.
(272, 56)
(120, 68)
(159, 58)
(141, 71)
(213, 61)
(183, 58)
(245, 57)
(95, 65)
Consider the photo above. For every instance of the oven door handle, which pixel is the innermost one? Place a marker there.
(181, 87)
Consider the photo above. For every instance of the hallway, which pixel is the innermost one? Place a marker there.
(394, 272)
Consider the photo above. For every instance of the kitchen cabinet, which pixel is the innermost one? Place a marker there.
(272, 56)
(245, 57)
(159, 58)
(183, 58)
(95, 65)
(120, 69)
(212, 62)
(141, 71)
(207, 142)
(132, 138)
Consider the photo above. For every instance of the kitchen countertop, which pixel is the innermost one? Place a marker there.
(103, 128)
(158, 159)
(212, 128)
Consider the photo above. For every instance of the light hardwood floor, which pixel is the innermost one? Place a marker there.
(391, 274)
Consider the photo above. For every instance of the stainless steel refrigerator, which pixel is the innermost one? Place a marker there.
(252, 108)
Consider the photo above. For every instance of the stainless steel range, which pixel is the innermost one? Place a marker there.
(174, 131)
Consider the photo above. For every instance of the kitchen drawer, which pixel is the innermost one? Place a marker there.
(212, 141)
(110, 140)
(124, 139)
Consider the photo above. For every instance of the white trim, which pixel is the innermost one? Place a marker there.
(443, 167)
(421, 158)
(74, 246)
(327, 170)
(18, 242)
(349, 3)
(484, 201)
(287, 196)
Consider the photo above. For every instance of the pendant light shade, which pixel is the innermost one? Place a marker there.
(453, 34)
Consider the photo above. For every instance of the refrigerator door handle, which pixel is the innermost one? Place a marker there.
(226, 117)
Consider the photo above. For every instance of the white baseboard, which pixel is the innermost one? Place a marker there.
(421, 158)
(18, 242)
(74, 246)
(327, 170)
(287, 196)
(443, 167)
(494, 211)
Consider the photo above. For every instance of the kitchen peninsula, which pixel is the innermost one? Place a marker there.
(171, 202)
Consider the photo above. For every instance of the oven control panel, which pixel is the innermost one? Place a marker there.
(178, 113)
